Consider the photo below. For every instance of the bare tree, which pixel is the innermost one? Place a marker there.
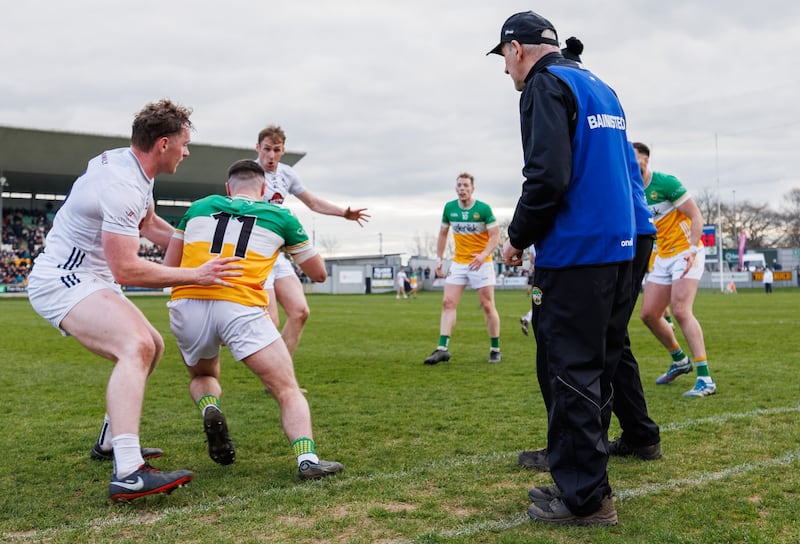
(424, 245)
(497, 254)
(328, 244)
(790, 219)
(707, 203)
(759, 222)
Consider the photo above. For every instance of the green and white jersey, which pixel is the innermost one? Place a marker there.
(470, 228)
(219, 226)
(664, 194)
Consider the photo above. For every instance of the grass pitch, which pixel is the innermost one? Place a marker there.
(429, 452)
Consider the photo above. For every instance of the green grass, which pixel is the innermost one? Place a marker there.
(430, 452)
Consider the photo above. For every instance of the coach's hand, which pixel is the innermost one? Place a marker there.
(511, 255)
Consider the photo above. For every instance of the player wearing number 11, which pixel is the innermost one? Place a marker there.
(205, 317)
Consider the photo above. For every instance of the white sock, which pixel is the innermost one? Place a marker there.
(308, 457)
(127, 454)
(104, 440)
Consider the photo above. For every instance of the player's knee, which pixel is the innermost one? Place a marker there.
(146, 349)
(682, 315)
(300, 313)
(158, 344)
(646, 317)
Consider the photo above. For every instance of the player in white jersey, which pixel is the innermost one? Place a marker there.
(400, 283)
(91, 250)
(283, 284)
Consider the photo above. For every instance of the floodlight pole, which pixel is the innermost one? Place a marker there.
(719, 219)
(3, 183)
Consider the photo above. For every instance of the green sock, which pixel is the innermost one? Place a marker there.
(702, 368)
(494, 343)
(677, 354)
(302, 446)
(444, 341)
(207, 400)
(668, 318)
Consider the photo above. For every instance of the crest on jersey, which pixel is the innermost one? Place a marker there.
(277, 198)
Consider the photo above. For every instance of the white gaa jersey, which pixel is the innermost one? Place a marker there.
(112, 195)
(281, 183)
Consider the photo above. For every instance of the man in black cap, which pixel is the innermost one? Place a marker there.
(640, 434)
(577, 207)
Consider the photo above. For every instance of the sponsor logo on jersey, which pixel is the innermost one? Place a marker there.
(606, 120)
(467, 228)
(626, 243)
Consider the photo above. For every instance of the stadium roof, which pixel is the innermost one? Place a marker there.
(47, 162)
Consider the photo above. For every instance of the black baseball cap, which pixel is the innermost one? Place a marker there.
(525, 27)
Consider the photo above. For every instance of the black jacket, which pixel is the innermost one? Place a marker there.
(547, 114)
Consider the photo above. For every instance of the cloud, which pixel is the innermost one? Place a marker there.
(391, 100)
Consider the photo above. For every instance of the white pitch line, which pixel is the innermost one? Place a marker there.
(724, 418)
(149, 518)
(697, 480)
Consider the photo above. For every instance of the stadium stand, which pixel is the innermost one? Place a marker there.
(23, 235)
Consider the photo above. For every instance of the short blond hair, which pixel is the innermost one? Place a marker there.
(467, 175)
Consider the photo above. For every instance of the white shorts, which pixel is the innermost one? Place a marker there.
(202, 326)
(460, 274)
(667, 270)
(282, 268)
(53, 292)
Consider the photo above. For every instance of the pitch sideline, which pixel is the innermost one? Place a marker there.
(697, 480)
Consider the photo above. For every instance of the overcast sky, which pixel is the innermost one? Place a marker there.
(392, 99)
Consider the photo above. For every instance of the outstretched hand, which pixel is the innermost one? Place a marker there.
(357, 215)
(215, 271)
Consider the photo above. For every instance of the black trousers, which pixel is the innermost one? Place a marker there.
(580, 323)
(629, 404)
(630, 407)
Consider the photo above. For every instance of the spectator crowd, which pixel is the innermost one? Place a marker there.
(23, 234)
